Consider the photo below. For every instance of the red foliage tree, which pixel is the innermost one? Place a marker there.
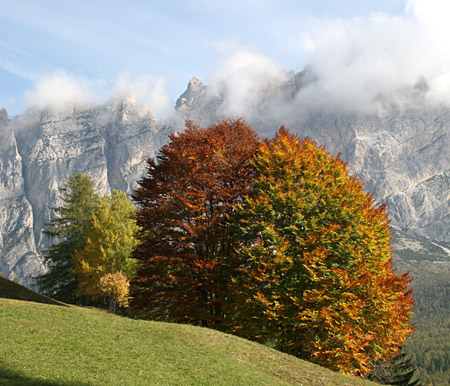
(183, 203)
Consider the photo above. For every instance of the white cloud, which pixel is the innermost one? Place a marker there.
(242, 77)
(60, 89)
(362, 65)
(357, 61)
(147, 89)
(362, 61)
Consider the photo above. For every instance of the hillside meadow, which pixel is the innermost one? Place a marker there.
(49, 345)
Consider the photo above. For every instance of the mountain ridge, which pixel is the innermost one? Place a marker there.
(400, 154)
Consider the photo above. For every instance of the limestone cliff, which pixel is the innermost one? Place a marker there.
(401, 155)
(41, 149)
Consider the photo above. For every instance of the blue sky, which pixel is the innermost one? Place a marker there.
(92, 47)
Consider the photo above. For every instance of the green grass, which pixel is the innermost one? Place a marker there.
(47, 345)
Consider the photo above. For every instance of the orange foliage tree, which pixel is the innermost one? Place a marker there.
(316, 273)
(183, 202)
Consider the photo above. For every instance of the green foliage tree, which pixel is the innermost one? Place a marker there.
(67, 230)
(109, 244)
(316, 272)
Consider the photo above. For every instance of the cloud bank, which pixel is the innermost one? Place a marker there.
(365, 64)
(60, 89)
(242, 79)
(362, 65)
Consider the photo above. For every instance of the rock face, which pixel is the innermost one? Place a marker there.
(18, 250)
(401, 156)
(41, 149)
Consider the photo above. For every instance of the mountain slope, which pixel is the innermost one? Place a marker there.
(430, 343)
(49, 345)
(400, 153)
(41, 149)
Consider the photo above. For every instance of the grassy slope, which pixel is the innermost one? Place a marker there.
(47, 345)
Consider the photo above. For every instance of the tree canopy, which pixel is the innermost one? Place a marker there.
(316, 273)
(110, 241)
(183, 205)
(398, 370)
(272, 240)
(93, 239)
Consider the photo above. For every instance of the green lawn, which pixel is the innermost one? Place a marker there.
(48, 345)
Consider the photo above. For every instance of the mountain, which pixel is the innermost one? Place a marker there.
(399, 151)
(41, 149)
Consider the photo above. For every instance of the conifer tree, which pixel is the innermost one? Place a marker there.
(397, 370)
(316, 273)
(183, 202)
(67, 230)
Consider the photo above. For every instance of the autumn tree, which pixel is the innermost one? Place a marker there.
(316, 275)
(103, 263)
(183, 203)
(116, 288)
(67, 231)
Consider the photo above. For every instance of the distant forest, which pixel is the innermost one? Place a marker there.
(430, 344)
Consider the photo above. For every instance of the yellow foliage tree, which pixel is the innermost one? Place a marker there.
(116, 287)
(316, 268)
(107, 251)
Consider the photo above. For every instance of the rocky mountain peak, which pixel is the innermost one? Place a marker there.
(126, 108)
(194, 90)
(3, 116)
(42, 148)
(400, 155)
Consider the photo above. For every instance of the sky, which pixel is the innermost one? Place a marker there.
(54, 51)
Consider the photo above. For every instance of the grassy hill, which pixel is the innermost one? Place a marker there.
(48, 345)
